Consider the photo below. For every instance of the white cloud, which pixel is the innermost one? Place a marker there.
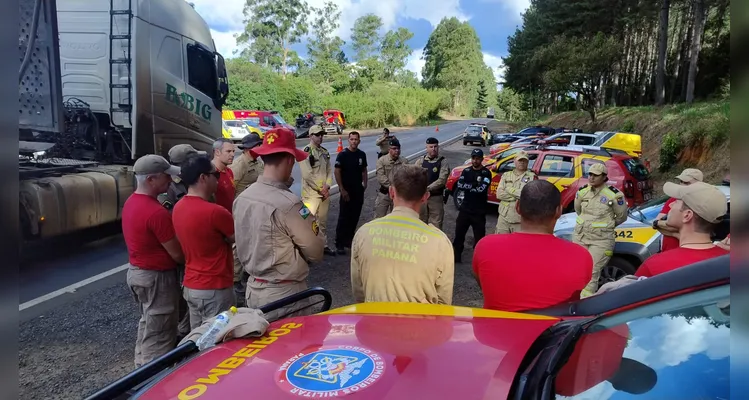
(515, 7)
(226, 16)
(415, 63)
(496, 64)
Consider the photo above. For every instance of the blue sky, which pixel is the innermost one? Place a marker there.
(493, 20)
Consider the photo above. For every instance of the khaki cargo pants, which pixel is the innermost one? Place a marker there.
(505, 227)
(262, 293)
(157, 295)
(206, 304)
(383, 205)
(433, 211)
(601, 249)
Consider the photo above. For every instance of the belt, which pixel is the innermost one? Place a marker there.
(383, 190)
(266, 281)
(437, 192)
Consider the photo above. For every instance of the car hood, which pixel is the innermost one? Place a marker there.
(365, 352)
(566, 224)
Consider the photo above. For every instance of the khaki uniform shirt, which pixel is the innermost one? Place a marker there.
(508, 193)
(599, 211)
(276, 235)
(246, 171)
(316, 171)
(384, 143)
(398, 258)
(385, 167)
(444, 172)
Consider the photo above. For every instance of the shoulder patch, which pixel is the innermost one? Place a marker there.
(613, 189)
(304, 212)
(583, 187)
(306, 149)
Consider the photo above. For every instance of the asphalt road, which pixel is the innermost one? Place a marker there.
(75, 344)
(54, 266)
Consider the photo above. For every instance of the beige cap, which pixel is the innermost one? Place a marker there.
(316, 129)
(179, 153)
(521, 155)
(690, 175)
(704, 199)
(154, 164)
(598, 169)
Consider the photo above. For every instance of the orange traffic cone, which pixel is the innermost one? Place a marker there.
(340, 145)
(437, 129)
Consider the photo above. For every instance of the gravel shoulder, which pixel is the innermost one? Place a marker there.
(78, 347)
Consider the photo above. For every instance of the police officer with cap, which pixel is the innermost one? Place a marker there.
(474, 184)
(177, 155)
(508, 193)
(600, 208)
(246, 168)
(317, 177)
(385, 168)
(276, 234)
(433, 211)
(383, 142)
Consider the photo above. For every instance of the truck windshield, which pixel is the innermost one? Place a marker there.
(636, 168)
(278, 119)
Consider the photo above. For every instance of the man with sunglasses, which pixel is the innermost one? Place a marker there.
(317, 177)
(670, 233)
(600, 208)
(206, 232)
(277, 235)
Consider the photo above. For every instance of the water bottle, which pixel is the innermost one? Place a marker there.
(222, 320)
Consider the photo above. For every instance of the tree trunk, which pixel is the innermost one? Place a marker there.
(699, 24)
(285, 57)
(660, 73)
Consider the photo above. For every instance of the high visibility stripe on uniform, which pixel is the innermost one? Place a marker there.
(586, 293)
(608, 192)
(405, 224)
(579, 220)
(599, 224)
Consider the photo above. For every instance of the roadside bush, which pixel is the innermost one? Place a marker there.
(670, 148)
(628, 126)
(383, 104)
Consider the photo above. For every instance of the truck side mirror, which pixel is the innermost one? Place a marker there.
(223, 81)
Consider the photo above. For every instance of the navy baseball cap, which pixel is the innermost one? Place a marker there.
(477, 153)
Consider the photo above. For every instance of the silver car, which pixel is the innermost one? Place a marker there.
(636, 240)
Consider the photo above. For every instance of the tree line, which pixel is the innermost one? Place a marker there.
(370, 83)
(590, 54)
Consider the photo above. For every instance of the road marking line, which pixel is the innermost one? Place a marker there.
(72, 288)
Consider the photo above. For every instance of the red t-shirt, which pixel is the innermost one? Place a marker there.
(523, 271)
(669, 242)
(226, 189)
(201, 227)
(676, 258)
(146, 224)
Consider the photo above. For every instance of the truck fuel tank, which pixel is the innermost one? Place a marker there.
(71, 202)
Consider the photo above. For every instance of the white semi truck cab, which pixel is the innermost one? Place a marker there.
(102, 83)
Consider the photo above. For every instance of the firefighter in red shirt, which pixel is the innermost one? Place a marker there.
(223, 156)
(670, 233)
(695, 212)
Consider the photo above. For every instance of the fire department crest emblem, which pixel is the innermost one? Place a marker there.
(331, 372)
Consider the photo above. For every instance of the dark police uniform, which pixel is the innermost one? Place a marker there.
(351, 165)
(472, 213)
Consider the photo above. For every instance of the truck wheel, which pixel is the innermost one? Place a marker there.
(617, 268)
(465, 143)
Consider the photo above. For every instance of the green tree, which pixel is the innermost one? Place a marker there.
(327, 59)
(365, 36)
(580, 65)
(453, 61)
(394, 51)
(280, 24)
(481, 100)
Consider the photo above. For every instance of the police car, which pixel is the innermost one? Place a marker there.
(665, 337)
(636, 240)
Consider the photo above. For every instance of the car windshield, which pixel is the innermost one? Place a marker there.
(235, 124)
(278, 119)
(646, 212)
(636, 168)
(670, 349)
(528, 131)
(473, 129)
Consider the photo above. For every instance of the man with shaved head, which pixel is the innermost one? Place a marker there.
(526, 278)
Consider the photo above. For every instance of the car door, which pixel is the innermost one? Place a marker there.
(560, 169)
(677, 347)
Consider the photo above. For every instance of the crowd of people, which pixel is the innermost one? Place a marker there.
(228, 230)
